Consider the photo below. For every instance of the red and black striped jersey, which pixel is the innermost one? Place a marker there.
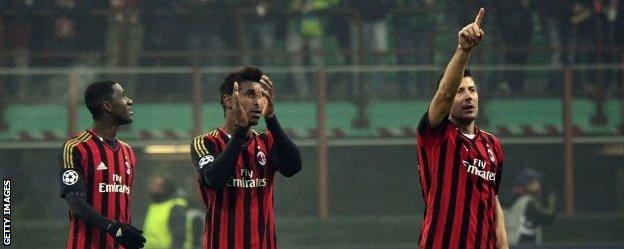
(239, 215)
(459, 178)
(104, 175)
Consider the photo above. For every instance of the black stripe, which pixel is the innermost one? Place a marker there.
(450, 214)
(90, 188)
(124, 153)
(479, 216)
(117, 170)
(210, 146)
(247, 200)
(463, 235)
(261, 171)
(232, 191)
(425, 185)
(231, 216)
(490, 235)
(104, 196)
(216, 222)
(436, 203)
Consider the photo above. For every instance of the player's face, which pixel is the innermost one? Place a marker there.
(121, 105)
(466, 104)
(250, 100)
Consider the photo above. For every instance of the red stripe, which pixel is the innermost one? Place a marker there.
(459, 206)
(112, 201)
(446, 191)
(82, 226)
(255, 240)
(95, 194)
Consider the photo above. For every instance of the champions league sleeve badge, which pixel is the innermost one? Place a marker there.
(205, 160)
(69, 177)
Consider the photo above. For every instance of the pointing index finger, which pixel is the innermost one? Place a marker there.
(479, 17)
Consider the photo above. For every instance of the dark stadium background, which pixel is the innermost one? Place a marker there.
(550, 76)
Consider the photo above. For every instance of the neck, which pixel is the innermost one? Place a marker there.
(230, 124)
(106, 130)
(464, 128)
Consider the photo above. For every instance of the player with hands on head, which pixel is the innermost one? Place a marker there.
(459, 165)
(236, 165)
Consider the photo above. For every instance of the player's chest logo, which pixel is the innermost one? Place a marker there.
(490, 153)
(101, 166)
(261, 158)
(127, 164)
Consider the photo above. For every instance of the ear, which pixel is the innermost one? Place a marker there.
(107, 106)
(227, 100)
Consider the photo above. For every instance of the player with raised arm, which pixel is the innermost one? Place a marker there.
(460, 166)
(237, 165)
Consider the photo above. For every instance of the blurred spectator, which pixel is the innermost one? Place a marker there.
(618, 42)
(6, 90)
(208, 22)
(414, 24)
(305, 33)
(374, 24)
(165, 221)
(21, 38)
(162, 20)
(513, 19)
(583, 42)
(612, 14)
(262, 18)
(527, 215)
(555, 21)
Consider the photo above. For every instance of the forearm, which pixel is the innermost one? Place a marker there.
(217, 173)
(84, 211)
(501, 234)
(450, 81)
(285, 149)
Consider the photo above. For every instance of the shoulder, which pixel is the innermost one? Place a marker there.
(72, 142)
(198, 145)
(124, 144)
(211, 135)
(266, 136)
(492, 138)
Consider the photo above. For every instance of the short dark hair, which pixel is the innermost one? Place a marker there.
(467, 73)
(244, 74)
(95, 94)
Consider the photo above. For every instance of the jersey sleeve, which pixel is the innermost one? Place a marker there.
(501, 160)
(71, 174)
(428, 134)
(203, 151)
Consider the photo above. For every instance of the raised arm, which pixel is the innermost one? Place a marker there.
(215, 170)
(285, 155)
(468, 38)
